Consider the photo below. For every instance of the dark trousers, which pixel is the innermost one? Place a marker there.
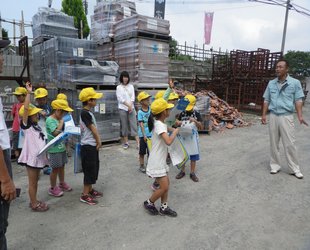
(4, 205)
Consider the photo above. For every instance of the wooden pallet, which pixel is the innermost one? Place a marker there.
(142, 34)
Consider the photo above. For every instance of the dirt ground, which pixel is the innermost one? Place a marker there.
(236, 205)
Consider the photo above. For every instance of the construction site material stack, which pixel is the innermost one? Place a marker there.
(106, 14)
(242, 76)
(49, 22)
(65, 64)
(142, 49)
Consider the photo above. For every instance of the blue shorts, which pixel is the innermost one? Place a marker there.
(194, 157)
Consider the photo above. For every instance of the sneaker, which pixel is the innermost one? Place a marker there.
(155, 186)
(88, 199)
(47, 170)
(194, 177)
(142, 169)
(180, 175)
(56, 191)
(168, 211)
(125, 146)
(274, 171)
(65, 187)
(298, 175)
(150, 208)
(95, 194)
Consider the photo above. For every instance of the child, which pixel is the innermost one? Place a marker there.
(90, 145)
(192, 116)
(20, 93)
(40, 95)
(143, 130)
(157, 167)
(57, 153)
(34, 141)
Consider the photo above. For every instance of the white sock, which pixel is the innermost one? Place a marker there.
(151, 203)
(164, 205)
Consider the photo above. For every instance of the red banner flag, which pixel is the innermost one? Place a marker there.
(208, 26)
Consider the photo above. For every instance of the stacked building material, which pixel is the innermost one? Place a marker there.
(141, 47)
(217, 114)
(243, 75)
(106, 14)
(49, 22)
(56, 60)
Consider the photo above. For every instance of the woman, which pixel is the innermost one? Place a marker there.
(126, 97)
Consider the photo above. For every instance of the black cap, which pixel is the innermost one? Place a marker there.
(4, 43)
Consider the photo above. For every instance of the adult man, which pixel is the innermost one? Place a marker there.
(283, 96)
(7, 187)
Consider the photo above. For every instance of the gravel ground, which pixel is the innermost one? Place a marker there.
(236, 205)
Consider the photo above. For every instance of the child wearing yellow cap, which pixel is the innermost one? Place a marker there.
(90, 145)
(57, 154)
(144, 132)
(20, 94)
(157, 167)
(192, 116)
(34, 141)
(40, 96)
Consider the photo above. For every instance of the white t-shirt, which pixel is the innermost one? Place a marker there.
(125, 93)
(157, 166)
(4, 133)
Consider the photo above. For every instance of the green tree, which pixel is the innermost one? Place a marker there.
(299, 62)
(75, 8)
(4, 33)
(174, 52)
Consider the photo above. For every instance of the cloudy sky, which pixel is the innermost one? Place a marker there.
(237, 24)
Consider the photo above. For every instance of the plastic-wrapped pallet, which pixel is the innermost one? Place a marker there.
(105, 51)
(143, 24)
(106, 14)
(51, 22)
(146, 60)
(203, 107)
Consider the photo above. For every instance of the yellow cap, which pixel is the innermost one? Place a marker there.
(173, 96)
(89, 93)
(20, 91)
(143, 95)
(40, 93)
(61, 104)
(192, 102)
(32, 110)
(159, 105)
(159, 94)
(61, 96)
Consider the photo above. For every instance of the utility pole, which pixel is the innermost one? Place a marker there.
(288, 6)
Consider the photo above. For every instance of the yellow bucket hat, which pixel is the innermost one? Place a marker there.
(159, 105)
(20, 91)
(89, 93)
(40, 93)
(61, 96)
(159, 94)
(32, 110)
(142, 95)
(192, 102)
(173, 96)
(61, 104)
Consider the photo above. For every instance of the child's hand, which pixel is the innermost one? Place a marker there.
(145, 138)
(29, 86)
(43, 113)
(98, 146)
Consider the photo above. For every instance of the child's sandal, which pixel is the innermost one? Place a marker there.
(40, 207)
